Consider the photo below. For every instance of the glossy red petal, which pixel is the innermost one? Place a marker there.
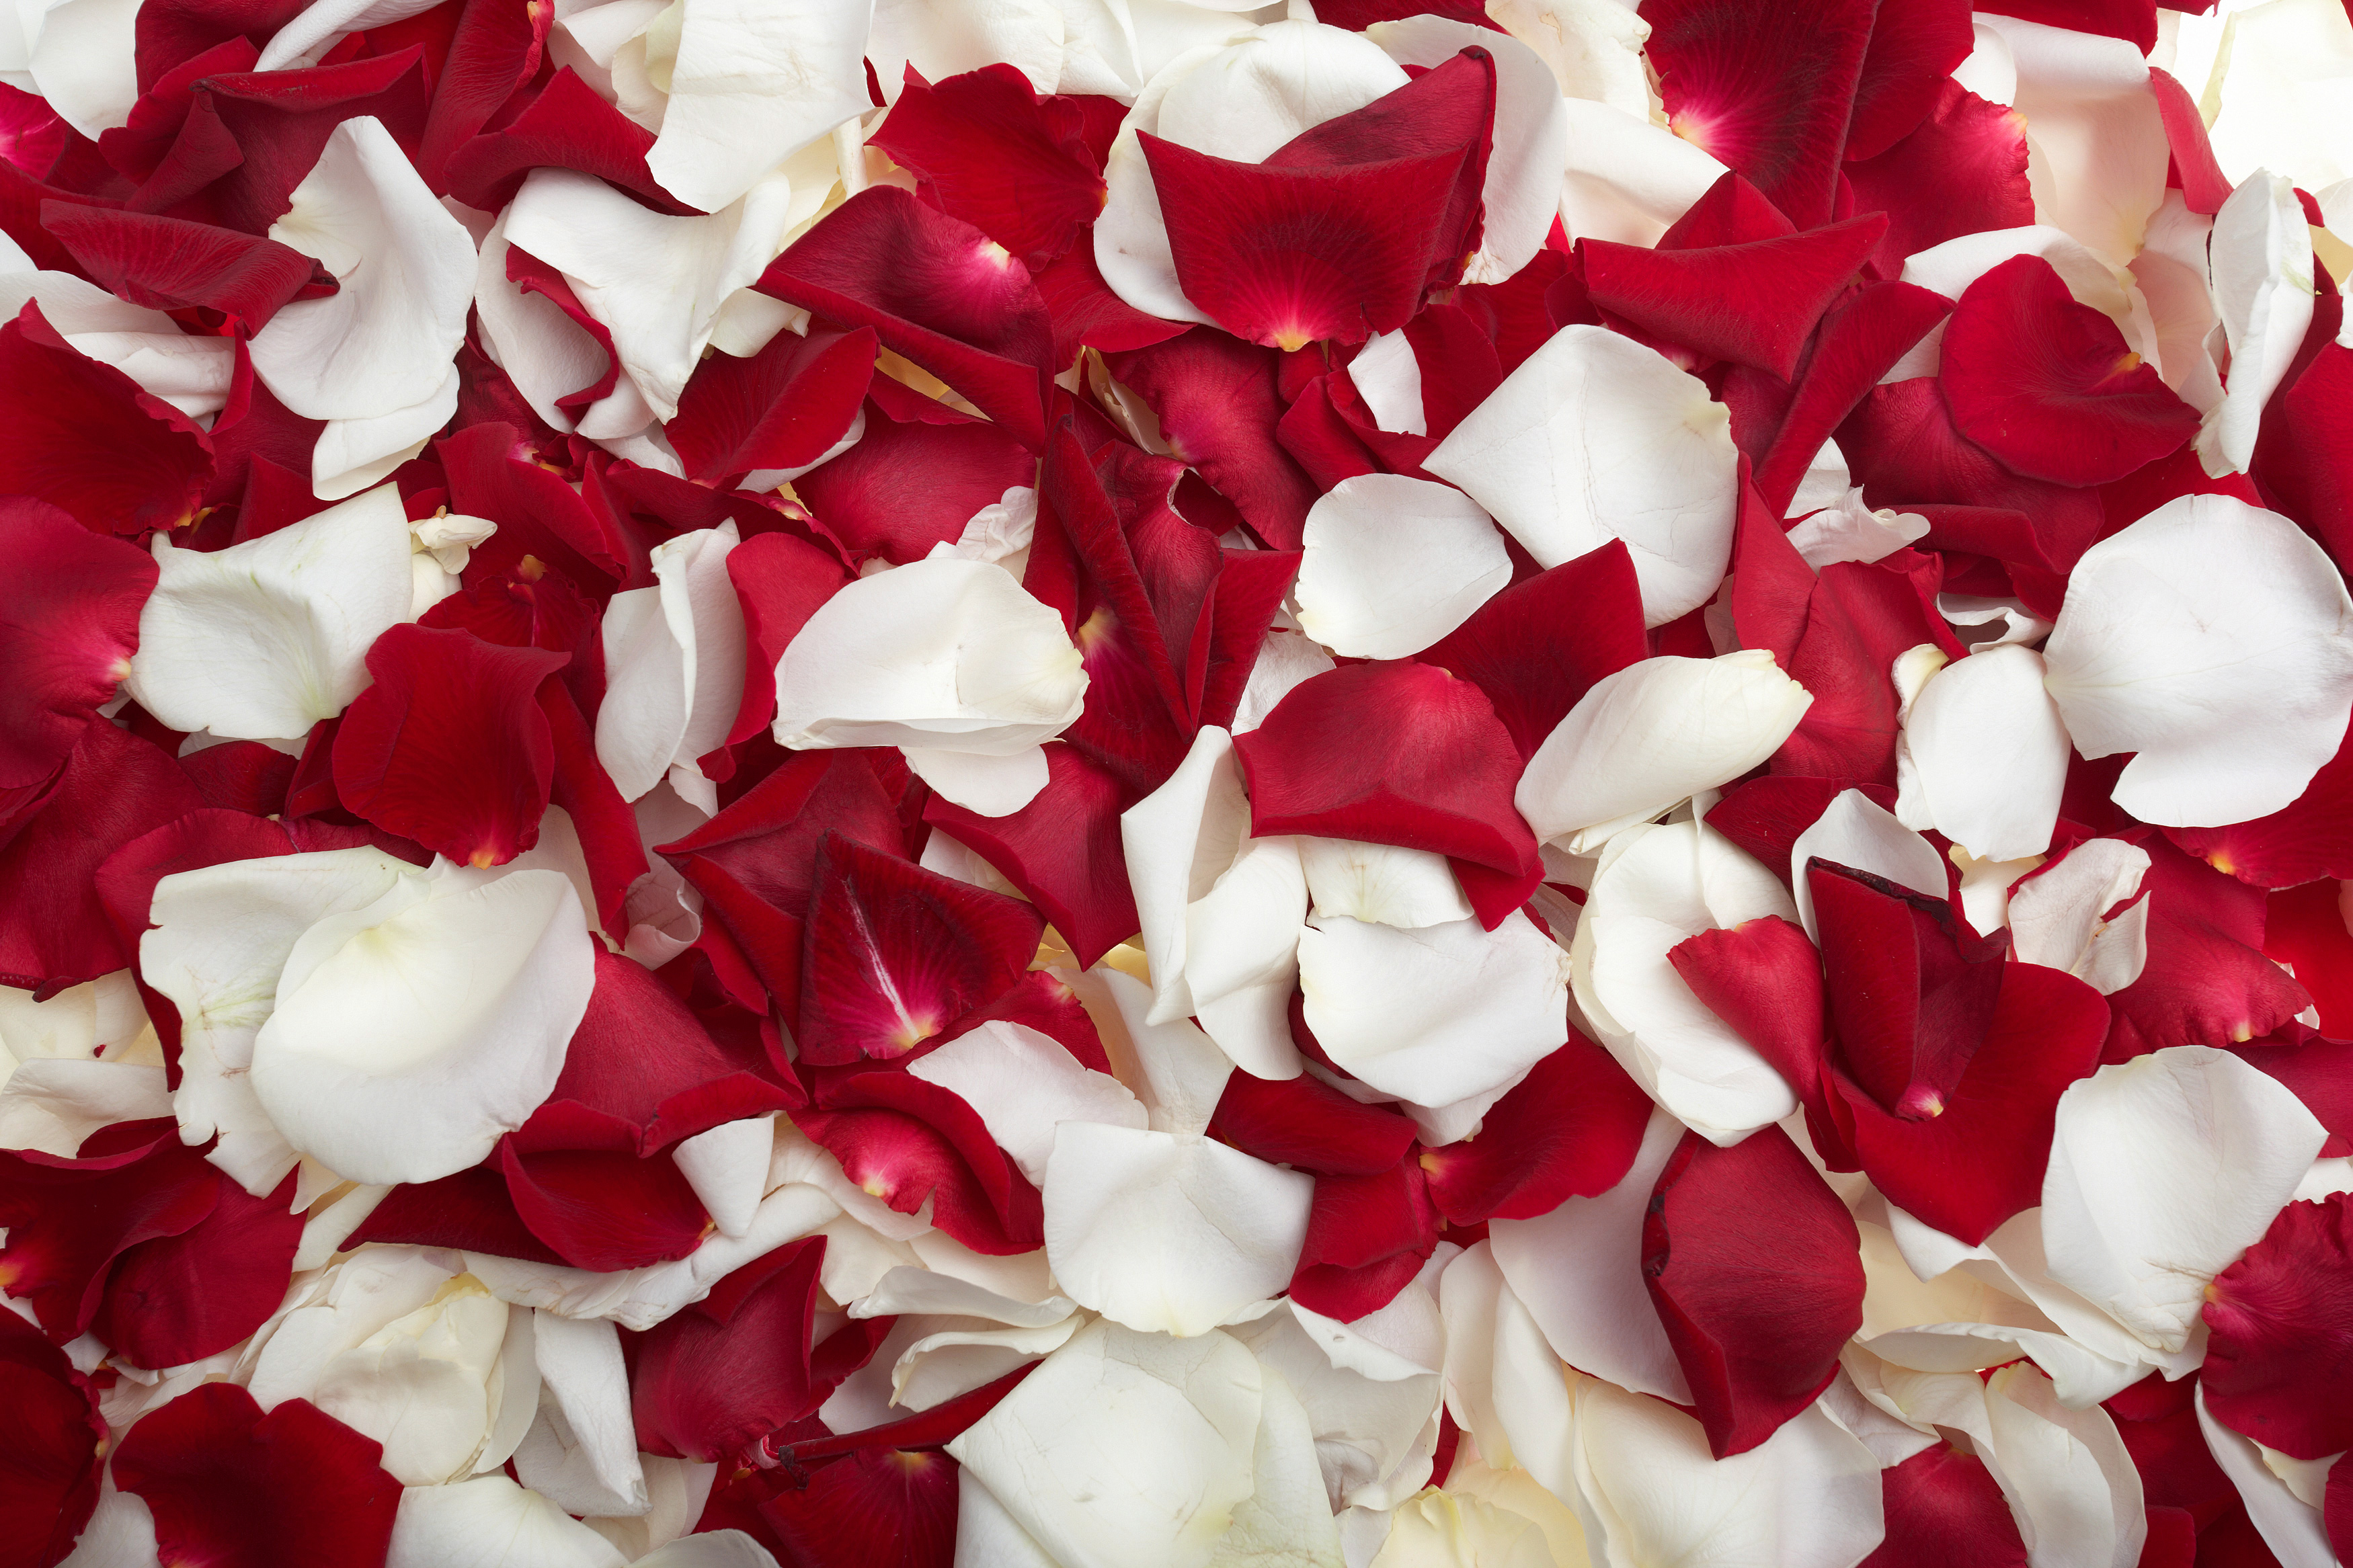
(1392, 753)
(2207, 978)
(1570, 1129)
(1961, 171)
(2047, 385)
(2135, 21)
(564, 126)
(1219, 401)
(174, 1300)
(1766, 88)
(1754, 304)
(2279, 1358)
(909, 485)
(1025, 170)
(450, 747)
(878, 1508)
(1863, 337)
(1913, 47)
(1062, 850)
(910, 1142)
(1752, 1263)
(1305, 1124)
(1945, 1510)
(68, 625)
(232, 1488)
(2306, 928)
(86, 439)
(935, 290)
(167, 264)
(785, 407)
(1539, 645)
(70, 1220)
(52, 1448)
(1367, 1236)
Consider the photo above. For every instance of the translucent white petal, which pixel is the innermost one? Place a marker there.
(1168, 1233)
(410, 1036)
(1124, 1449)
(2261, 256)
(1381, 882)
(1287, 1518)
(674, 662)
(1365, 1424)
(545, 352)
(2215, 640)
(2163, 1170)
(1653, 734)
(384, 340)
(1284, 660)
(1596, 437)
(490, 1523)
(53, 1104)
(353, 454)
(1991, 753)
(941, 38)
(987, 1536)
(2286, 66)
(1847, 529)
(1023, 1084)
(710, 1549)
(1856, 831)
(266, 638)
(753, 82)
(1437, 1014)
(1656, 888)
(1178, 841)
(943, 654)
(2054, 917)
(1393, 563)
(2097, 144)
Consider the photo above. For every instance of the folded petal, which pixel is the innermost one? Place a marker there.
(674, 657)
(2261, 270)
(68, 632)
(985, 1065)
(1991, 753)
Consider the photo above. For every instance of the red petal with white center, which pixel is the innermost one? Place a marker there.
(1754, 304)
(2047, 385)
(87, 440)
(68, 628)
(878, 1508)
(231, 1486)
(784, 407)
(1765, 89)
(909, 484)
(1570, 1129)
(2279, 1319)
(1962, 171)
(1945, 1510)
(1367, 1236)
(1751, 1261)
(1219, 401)
(450, 747)
(933, 288)
(173, 1299)
(1062, 849)
(1395, 753)
(1308, 1125)
(2206, 979)
(895, 953)
(908, 1142)
(52, 1448)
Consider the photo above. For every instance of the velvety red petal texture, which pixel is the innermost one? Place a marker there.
(911, 483)
(86, 439)
(1913, 47)
(1393, 753)
(1305, 1124)
(1945, 1510)
(563, 126)
(1219, 401)
(1367, 1236)
(1062, 850)
(169, 263)
(877, 1508)
(2047, 385)
(785, 407)
(1540, 645)
(1570, 1129)
(2305, 455)
(1911, 993)
(232, 1488)
(68, 625)
(578, 1183)
(2313, 837)
(1961, 171)
(2207, 978)
(712, 1381)
(908, 1142)
(2279, 1358)
(1862, 338)
(493, 49)
(173, 1299)
(52, 1448)
(1764, 979)
(70, 1220)
(1859, 618)
(450, 747)
(1752, 1263)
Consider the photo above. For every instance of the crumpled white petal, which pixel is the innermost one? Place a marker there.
(490, 1523)
(1652, 735)
(1989, 754)
(1122, 1449)
(324, 20)
(1437, 1013)
(674, 664)
(1022, 1084)
(1596, 437)
(582, 1452)
(1367, 1404)
(2261, 263)
(753, 82)
(1393, 563)
(1168, 1233)
(263, 639)
(2055, 918)
(940, 654)
(727, 1166)
(1656, 888)
(1847, 529)
(2163, 1170)
(545, 352)
(2215, 640)
(412, 1034)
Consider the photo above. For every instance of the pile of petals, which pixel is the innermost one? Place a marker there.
(1136, 784)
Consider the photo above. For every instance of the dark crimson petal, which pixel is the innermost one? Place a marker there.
(1219, 401)
(1766, 88)
(1945, 1511)
(641, 1056)
(2279, 1358)
(1087, 314)
(2047, 385)
(2304, 456)
(1981, 1160)
(543, 612)
(1764, 979)
(114, 787)
(1862, 339)
(609, 843)
(171, 31)
(450, 747)
(2159, 1424)
(178, 1299)
(85, 439)
(2207, 979)
(1514, 311)
(1752, 1263)
(603, 1207)
(1538, 647)
(473, 1211)
(2135, 21)
(2320, 1072)
(1249, 589)
(68, 625)
(492, 475)
(564, 126)
(232, 1488)
(909, 485)
(494, 49)
(1913, 47)
(1287, 256)
(69, 1220)
(1570, 1129)
(1458, 362)
(908, 1142)
(1911, 995)
(877, 1508)
(1756, 303)
(241, 776)
(785, 407)
(1860, 618)
(780, 582)
(1062, 849)
(31, 134)
(2312, 836)
(1327, 443)
(2306, 928)
(52, 1448)
(1772, 586)
(2337, 1510)
(167, 263)
(996, 154)
(1367, 1236)
(1962, 171)
(935, 290)
(1764, 815)
(1393, 753)
(1305, 1124)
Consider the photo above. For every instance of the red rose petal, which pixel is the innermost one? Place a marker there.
(1570, 1129)
(1945, 1510)
(67, 630)
(2281, 1322)
(785, 407)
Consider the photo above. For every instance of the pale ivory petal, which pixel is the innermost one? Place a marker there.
(1393, 563)
(751, 83)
